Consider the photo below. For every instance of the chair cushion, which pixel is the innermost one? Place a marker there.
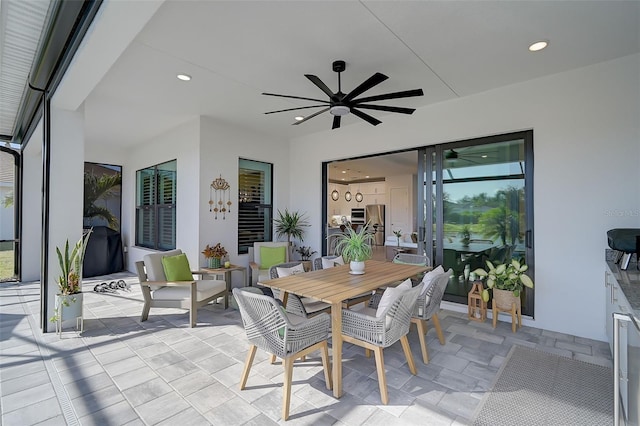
(153, 264)
(314, 305)
(330, 263)
(391, 294)
(205, 289)
(176, 268)
(285, 272)
(271, 256)
(429, 277)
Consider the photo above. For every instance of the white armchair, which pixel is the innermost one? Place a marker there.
(259, 264)
(158, 292)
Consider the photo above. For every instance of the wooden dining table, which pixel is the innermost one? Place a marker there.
(335, 285)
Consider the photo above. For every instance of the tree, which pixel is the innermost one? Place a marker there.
(97, 188)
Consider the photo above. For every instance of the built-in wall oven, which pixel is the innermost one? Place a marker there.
(357, 217)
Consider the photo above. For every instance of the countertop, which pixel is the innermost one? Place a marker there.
(629, 282)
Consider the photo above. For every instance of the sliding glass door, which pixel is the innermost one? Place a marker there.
(477, 207)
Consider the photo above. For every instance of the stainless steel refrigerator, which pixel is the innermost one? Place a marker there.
(374, 216)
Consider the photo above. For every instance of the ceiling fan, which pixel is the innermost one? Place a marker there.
(340, 104)
(473, 157)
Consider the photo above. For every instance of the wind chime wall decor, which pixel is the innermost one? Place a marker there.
(219, 197)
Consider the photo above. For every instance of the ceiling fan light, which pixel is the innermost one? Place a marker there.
(339, 110)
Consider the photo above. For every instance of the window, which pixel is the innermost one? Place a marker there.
(156, 206)
(255, 211)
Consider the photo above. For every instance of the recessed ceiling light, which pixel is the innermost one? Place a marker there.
(367, 176)
(538, 45)
(298, 118)
(184, 77)
(484, 156)
(344, 171)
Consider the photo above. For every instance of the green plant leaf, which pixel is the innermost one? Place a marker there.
(485, 295)
(526, 281)
(480, 272)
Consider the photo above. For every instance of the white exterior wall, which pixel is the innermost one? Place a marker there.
(221, 147)
(181, 144)
(32, 207)
(586, 177)
(66, 191)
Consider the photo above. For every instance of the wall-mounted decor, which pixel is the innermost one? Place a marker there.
(220, 197)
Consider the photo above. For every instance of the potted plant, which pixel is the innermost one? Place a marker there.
(398, 234)
(465, 235)
(305, 253)
(506, 281)
(69, 297)
(214, 255)
(355, 247)
(291, 224)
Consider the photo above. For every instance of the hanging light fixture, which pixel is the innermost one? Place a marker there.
(359, 196)
(347, 196)
(335, 194)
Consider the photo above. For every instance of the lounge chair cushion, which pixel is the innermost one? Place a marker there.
(271, 256)
(176, 268)
(205, 289)
(153, 266)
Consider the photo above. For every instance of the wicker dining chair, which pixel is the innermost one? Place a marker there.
(374, 333)
(304, 307)
(283, 335)
(427, 308)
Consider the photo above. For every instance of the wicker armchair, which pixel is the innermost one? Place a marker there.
(286, 336)
(305, 307)
(427, 308)
(374, 333)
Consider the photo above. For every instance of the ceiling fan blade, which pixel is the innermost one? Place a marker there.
(296, 97)
(366, 117)
(293, 109)
(336, 122)
(315, 80)
(388, 108)
(372, 81)
(394, 95)
(310, 116)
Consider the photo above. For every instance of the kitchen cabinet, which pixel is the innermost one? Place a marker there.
(372, 192)
(627, 358)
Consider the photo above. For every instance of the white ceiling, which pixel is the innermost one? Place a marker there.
(237, 49)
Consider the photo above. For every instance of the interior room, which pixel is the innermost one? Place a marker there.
(180, 95)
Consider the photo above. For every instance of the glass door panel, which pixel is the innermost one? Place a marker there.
(480, 211)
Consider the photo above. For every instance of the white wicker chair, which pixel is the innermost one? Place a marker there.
(286, 336)
(363, 328)
(305, 307)
(427, 308)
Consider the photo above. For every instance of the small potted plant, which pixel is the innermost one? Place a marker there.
(305, 253)
(214, 255)
(355, 247)
(69, 297)
(506, 281)
(465, 235)
(398, 234)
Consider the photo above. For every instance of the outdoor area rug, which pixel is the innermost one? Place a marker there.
(538, 388)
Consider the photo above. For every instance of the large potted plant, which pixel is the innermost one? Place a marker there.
(291, 224)
(355, 247)
(506, 281)
(69, 297)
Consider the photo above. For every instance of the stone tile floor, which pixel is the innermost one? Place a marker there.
(120, 371)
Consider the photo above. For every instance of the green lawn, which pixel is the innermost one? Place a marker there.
(6, 265)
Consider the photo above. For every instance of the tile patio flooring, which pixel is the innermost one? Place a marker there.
(121, 371)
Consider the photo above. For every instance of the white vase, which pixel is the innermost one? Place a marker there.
(357, 268)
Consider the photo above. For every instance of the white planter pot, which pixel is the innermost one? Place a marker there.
(357, 268)
(69, 307)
